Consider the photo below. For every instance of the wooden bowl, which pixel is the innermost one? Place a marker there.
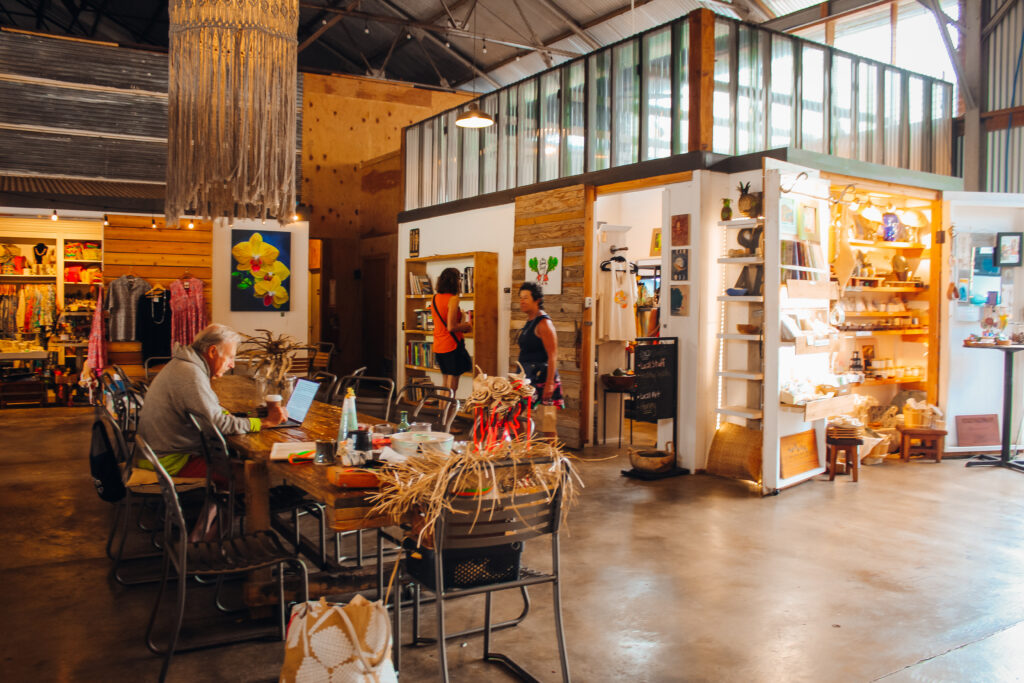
(654, 462)
(618, 382)
(747, 328)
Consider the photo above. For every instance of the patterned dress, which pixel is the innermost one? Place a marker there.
(188, 310)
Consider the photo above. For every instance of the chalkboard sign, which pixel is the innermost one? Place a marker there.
(654, 394)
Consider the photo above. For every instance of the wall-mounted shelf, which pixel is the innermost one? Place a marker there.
(741, 374)
(741, 299)
(742, 259)
(741, 411)
(850, 334)
(886, 245)
(886, 290)
(881, 314)
(742, 223)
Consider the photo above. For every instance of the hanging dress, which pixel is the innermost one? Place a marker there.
(188, 310)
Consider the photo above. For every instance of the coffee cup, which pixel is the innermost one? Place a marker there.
(272, 400)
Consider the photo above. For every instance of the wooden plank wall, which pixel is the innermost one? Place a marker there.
(561, 217)
(132, 246)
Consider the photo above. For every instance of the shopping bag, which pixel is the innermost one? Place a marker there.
(548, 418)
(332, 642)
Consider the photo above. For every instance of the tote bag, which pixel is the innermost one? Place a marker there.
(328, 643)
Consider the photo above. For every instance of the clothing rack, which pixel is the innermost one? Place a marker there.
(605, 265)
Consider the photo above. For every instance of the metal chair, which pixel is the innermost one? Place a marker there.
(147, 366)
(345, 381)
(478, 544)
(316, 358)
(326, 380)
(233, 555)
(415, 396)
(448, 410)
(367, 403)
(283, 499)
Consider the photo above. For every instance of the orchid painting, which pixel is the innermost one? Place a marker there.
(260, 270)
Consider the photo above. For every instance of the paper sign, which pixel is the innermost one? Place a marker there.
(282, 450)
(977, 430)
(799, 453)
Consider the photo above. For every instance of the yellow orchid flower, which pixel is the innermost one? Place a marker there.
(276, 268)
(255, 255)
(271, 290)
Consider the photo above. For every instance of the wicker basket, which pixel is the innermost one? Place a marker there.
(914, 418)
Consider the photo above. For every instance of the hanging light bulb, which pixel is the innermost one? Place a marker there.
(153, 223)
(191, 225)
(871, 213)
(485, 47)
(54, 216)
(106, 221)
(474, 118)
(447, 43)
(408, 35)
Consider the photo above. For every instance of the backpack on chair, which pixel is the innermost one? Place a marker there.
(106, 474)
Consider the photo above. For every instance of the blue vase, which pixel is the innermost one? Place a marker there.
(890, 226)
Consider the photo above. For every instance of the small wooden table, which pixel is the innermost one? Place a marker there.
(1003, 460)
(932, 443)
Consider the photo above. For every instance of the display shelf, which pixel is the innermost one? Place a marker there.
(850, 334)
(886, 290)
(741, 299)
(742, 222)
(898, 380)
(742, 260)
(736, 336)
(804, 269)
(881, 244)
(741, 374)
(741, 411)
(426, 369)
(82, 260)
(28, 277)
(881, 314)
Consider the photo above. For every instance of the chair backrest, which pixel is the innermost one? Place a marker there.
(321, 359)
(174, 518)
(147, 366)
(345, 381)
(449, 409)
(218, 463)
(516, 514)
(326, 380)
(375, 403)
(115, 436)
(413, 396)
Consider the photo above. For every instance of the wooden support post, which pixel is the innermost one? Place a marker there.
(702, 79)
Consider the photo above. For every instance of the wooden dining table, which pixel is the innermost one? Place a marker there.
(345, 509)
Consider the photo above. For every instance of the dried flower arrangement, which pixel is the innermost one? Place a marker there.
(498, 405)
(421, 487)
(271, 356)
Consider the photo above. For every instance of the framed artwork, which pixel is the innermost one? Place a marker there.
(680, 300)
(261, 270)
(544, 266)
(867, 352)
(681, 230)
(1008, 251)
(680, 264)
(656, 242)
(807, 222)
(414, 242)
(787, 216)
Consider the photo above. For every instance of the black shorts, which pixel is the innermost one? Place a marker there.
(454, 362)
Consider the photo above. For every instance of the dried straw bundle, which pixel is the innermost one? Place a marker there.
(422, 486)
(272, 355)
(231, 108)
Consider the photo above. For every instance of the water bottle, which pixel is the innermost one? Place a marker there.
(349, 422)
(403, 423)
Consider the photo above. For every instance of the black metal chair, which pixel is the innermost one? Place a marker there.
(415, 396)
(374, 404)
(231, 555)
(478, 544)
(345, 381)
(147, 366)
(326, 380)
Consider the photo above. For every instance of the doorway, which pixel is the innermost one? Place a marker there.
(377, 341)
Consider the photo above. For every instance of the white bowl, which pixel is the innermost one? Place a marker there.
(411, 443)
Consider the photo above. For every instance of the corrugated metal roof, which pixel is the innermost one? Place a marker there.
(80, 188)
(784, 7)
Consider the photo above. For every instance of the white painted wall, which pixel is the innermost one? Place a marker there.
(295, 321)
(489, 229)
(971, 380)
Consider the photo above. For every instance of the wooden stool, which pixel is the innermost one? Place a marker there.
(931, 443)
(848, 447)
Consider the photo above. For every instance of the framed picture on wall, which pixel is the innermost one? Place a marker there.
(656, 242)
(544, 266)
(681, 264)
(680, 300)
(1008, 249)
(681, 230)
(414, 242)
(261, 263)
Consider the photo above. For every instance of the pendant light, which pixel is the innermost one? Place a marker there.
(474, 117)
(54, 216)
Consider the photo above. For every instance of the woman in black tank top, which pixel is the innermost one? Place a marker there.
(538, 346)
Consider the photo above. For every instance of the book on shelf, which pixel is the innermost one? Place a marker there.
(419, 353)
(468, 286)
(419, 285)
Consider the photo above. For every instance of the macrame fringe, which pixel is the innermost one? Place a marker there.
(231, 109)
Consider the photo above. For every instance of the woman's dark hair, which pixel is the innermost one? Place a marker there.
(448, 281)
(536, 293)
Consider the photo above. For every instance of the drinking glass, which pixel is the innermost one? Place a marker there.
(420, 427)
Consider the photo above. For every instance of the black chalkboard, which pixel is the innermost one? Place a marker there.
(654, 394)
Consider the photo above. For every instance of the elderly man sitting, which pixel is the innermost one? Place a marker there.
(184, 385)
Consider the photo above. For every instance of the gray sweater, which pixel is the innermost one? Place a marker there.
(184, 384)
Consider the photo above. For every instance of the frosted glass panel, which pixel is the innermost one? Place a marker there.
(507, 123)
(869, 139)
(942, 125)
(550, 127)
(574, 78)
(750, 119)
(683, 90)
(626, 105)
(599, 67)
(452, 157)
(470, 138)
(813, 99)
(657, 104)
(722, 100)
(527, 133)
(842, 106)
(412, 168)
(893, 117)
(915, 114)
(489, 151)
(780, 109)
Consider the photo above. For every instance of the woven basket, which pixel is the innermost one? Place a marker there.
(914, 418)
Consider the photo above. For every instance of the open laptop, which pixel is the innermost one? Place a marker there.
(299, 403)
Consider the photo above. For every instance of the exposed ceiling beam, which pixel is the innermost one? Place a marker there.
(965, 90)
(815, 14)
(546, 56)
(322, 23)
(334, 50)
(749, 10)
(161, 8)
(571, 23)
(325, 25)
(997, 17)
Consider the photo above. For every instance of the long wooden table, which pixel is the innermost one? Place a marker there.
(346, 510)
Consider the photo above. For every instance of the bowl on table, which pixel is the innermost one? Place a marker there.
(412, 443)
(618, 382)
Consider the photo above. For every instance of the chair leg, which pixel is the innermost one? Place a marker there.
(179, 618)
(150, 643)
(119, 509)
(442, 650)
(556, 589)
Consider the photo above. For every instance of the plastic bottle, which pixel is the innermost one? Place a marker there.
(403, 423)
(349, 421)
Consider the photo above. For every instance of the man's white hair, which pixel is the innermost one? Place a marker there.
(214, 335)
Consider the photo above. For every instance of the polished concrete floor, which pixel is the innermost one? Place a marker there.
(916, 573)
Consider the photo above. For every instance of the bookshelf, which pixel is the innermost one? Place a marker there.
(479, 298)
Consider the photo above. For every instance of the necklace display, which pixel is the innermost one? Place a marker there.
(163, 308)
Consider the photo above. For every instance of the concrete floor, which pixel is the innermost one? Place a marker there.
(913, 574)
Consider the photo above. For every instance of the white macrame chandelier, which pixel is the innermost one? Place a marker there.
(231, 109)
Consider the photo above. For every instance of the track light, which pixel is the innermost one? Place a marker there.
(54, 216)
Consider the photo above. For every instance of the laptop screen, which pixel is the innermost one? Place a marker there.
(301, 399)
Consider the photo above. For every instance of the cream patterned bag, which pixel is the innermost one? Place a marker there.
(331, 643)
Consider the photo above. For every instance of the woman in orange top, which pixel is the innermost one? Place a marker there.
(449, 345)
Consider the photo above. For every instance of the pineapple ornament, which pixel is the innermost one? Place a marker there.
(726, 210)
